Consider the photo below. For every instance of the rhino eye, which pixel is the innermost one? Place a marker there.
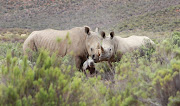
(109, 49)
(93, 56)
(91, 49)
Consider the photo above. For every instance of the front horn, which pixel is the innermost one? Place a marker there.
(102, 49)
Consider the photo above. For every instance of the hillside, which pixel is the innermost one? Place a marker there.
(167, 19)
(106, 14)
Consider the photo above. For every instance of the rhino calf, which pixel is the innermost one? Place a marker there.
(90, 66)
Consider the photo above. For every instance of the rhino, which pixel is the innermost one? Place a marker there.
(80, 41)
(113, 47)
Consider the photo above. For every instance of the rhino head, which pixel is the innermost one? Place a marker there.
(107, 47)
(93, 41)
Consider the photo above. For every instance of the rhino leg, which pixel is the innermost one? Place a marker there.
(79, 63)
(29, 49)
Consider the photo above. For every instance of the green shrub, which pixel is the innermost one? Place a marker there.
(176, 38)
(174, 101)
(52, 80)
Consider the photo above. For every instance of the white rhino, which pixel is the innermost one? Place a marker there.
(113, 47)
(79, 40)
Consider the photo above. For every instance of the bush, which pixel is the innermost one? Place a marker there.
(136, 80)
(176, 38)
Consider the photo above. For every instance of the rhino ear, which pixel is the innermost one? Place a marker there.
(87, 30)
(112, 35)
(97, 30)
(103, 34)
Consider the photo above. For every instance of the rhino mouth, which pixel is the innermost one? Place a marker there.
(104, 58)
(96, 60)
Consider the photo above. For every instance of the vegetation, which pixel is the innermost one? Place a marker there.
(149, 80)
(56, 81)
(149, 15)
(161, 20)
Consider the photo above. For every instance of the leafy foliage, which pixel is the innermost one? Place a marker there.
(135, 80)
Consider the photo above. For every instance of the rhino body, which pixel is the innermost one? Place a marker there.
(80, 41)
(113, 47)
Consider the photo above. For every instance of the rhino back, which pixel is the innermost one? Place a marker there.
(137, 41)
(123, 46)
(61, 41)
(133, 42)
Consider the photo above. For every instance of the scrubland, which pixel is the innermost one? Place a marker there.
(153, 79)
(149, 80)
